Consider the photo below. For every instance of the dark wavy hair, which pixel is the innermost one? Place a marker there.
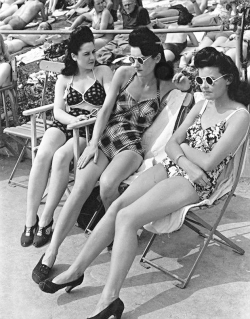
(184, 18)
(150, 44)
(78, 37)
(91, 4)
(237, 90)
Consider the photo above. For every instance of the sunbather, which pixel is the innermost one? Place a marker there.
(115, 151)
(80, 91)
(16, 42)
(197, 153)
(223, 41)
(24, 15)
(176, 42)
(133, 16)
(5, 68)
(10, 7)
(192, 6)
(100, 18)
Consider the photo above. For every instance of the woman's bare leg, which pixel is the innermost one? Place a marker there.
(103, 233)
(59, 179)
(5, 71)
(85, 181)
(121, 167)
(52, 140)
(164, 198)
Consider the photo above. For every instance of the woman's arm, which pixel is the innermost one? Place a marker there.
(175, 152)
(106, 75)
(236, 130)
(59, 104)
(104, 23)
(193, 39)
(103, 116)
(79, 20)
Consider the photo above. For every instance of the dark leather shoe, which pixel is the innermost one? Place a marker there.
(41, 272)
(43, 235)
(28, 234)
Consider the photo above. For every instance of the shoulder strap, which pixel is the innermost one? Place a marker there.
(127, 84)
(231, 114)
(158, 94)
(203, 107)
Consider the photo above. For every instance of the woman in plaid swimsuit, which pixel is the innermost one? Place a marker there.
(115, 151)
(215, 131)
(80, 90)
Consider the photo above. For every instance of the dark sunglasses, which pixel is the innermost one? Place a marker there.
(140, 60)
(200, 80)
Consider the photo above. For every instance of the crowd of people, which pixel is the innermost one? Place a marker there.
(126, 103)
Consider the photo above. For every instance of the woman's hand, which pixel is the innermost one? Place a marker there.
(89, 153)
(181, 82)
(197, 175)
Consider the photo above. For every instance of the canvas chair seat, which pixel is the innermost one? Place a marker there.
(225, 189)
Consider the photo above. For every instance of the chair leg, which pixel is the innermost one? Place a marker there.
(143, 260)
(10, 181)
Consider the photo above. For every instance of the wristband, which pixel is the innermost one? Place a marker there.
(178, 157)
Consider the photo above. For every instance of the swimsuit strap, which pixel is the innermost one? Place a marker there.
(127, 84)
(231, 114)
(94, 74)
(158, 93)
(203, 107)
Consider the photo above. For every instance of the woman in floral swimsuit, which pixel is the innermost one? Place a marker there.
(196, 154)
(80, 91)
(115, 151)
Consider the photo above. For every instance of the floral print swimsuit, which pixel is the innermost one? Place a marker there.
(203, 140)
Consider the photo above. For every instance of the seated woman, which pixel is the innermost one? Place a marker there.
(100, 18)
(16, 42)
(5, 68)
(80, 90)
(197, 153)
(115, 151)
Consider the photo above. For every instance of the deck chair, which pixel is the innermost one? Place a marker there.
(28, 135)
(175, 106)
(9, 91)
(225, 191)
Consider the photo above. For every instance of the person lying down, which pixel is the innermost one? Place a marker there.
(16, 42)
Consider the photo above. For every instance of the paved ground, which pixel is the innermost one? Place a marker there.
(220, 287)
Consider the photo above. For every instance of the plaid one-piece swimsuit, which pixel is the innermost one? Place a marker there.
(203, 140)
(94, 96)
(128, 122)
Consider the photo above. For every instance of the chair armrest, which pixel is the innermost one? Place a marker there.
(80, 124)
(38, 109)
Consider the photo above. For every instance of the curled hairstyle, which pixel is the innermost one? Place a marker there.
(184, 18)
(150, 44)
(91, 4)
(209, 57)
(78, 37)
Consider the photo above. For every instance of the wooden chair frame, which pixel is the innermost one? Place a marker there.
(29, 134)
(192, 220)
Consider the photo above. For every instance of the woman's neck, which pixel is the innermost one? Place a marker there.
(147, 80)
(84, 72)
(223, 103)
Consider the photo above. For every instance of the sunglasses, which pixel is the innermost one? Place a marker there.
(140, 60)
(200, 80)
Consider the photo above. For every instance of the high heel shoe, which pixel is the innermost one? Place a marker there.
(114, 309)
(43, 235)
(28, 234)
(41, 272)
(50, 287)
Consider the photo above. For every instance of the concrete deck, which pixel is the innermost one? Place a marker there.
(220, 287)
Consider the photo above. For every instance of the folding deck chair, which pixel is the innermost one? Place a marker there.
(192, 220)
(29, 134)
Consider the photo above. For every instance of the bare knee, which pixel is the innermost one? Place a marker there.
(61, 160)
(125, 220)
(108, 187)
